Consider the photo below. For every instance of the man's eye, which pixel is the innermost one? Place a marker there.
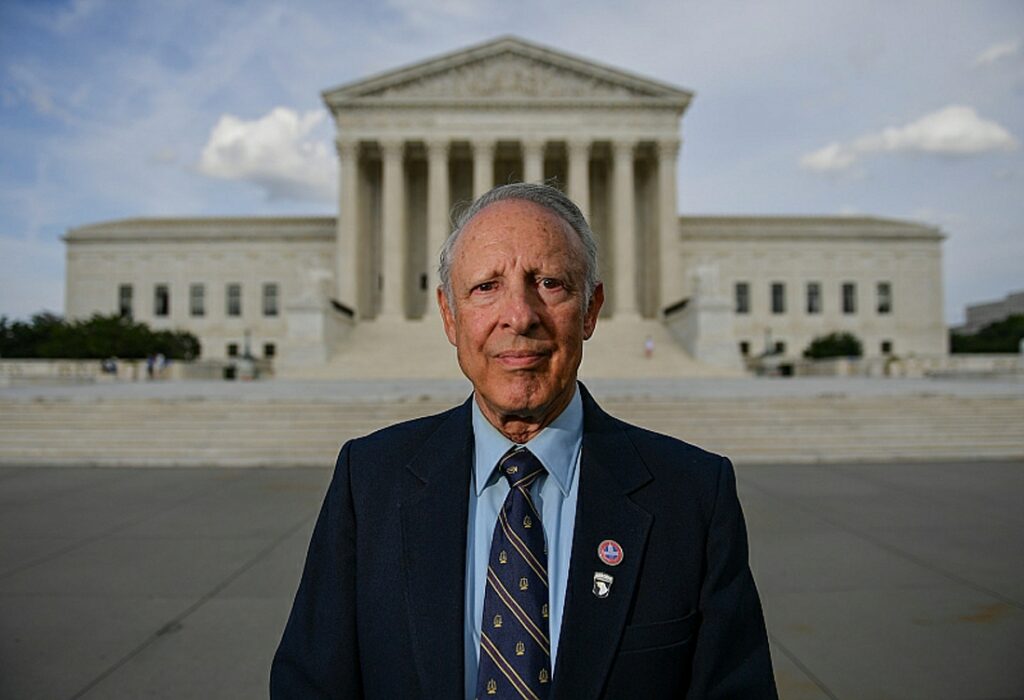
(551, 283)
(484, 287)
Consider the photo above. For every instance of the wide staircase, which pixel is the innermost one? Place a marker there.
(289, 431)
(385, 348)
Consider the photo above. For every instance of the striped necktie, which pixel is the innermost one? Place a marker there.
(515, 650)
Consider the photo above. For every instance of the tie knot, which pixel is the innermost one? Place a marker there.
(520, 467)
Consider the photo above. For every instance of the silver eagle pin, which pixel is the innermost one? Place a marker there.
(602, 584)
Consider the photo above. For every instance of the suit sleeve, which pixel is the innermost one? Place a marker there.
(731, 659)
(318, 656)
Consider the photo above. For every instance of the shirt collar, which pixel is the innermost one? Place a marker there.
(557, 446)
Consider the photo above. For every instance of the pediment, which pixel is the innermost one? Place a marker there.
(505, 70)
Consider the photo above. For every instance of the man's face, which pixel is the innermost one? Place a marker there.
(517, 316)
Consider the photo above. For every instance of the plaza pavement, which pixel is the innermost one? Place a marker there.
(879, 581)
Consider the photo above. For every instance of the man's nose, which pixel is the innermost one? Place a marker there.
(519, 310)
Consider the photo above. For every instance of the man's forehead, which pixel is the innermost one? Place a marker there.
(508, 220)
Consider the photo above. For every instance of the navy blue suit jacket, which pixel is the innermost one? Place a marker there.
(380, 607)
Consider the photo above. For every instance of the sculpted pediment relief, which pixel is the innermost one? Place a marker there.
(505, 69)
(505, 76)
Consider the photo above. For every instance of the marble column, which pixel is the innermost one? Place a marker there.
(393, 228)
(533, 160)
(670, 269)
(437, 211)
(483, 166)
(579, 174)
(346, 265)
(624, 221)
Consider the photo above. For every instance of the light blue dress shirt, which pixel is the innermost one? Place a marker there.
(558, 448)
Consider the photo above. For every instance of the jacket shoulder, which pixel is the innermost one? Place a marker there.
(680, 470)
(651, 442)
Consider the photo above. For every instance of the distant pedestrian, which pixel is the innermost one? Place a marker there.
(150, 362)
(649, 347)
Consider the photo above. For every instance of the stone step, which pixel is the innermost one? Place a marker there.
(737, 431)
(168, 431)
(189, 411)
(387, 348)
(289, 458)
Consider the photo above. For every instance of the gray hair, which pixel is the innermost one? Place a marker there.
(546, 196)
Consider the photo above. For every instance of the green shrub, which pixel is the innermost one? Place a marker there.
(834, 345)
(49, 336)
(1001, 336)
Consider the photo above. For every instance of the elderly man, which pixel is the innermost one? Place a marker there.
(525, 544)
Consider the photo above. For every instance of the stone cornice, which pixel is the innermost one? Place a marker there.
(611, 86)
(760, 228)
(240, 228)
(505, 103)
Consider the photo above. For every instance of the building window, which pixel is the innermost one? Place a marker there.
(780, 347)
(745, 348)
(124, 301)
(849, 298)
(270, 299)
(232, 349)
(161, 300)
(814, 297)
(743, 297)
(269, 350)
(197, 300)
(884, 298)
(886, 347)
(234, 299)
(778, 298)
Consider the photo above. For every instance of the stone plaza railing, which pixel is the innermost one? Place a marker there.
(25, 371)
(967, 364)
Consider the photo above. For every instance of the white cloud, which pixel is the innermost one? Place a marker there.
(278, 152)
(955, 130)
(28, 87)
(998, 52)
(832, 157)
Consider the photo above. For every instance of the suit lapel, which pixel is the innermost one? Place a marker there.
(434, 509)
(610, 469)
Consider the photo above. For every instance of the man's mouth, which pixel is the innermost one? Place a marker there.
(521, 359)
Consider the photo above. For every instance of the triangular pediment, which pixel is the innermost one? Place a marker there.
(505, 70)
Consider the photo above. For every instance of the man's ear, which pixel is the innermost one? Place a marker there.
(447, 317)
(590, 316)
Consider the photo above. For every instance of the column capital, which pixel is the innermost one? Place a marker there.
(483, 145)
(533, 145)
(438, 147)
(347, 148)
(579, 146)
(623, 147)
(392, 148)
(669, 148)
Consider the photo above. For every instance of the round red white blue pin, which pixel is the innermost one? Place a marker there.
(610, 552)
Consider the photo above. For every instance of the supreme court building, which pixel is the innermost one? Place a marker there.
(353, 295)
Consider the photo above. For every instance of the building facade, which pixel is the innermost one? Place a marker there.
(982, 314)
(416, 143)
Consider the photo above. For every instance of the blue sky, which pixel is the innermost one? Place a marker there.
(113, 109)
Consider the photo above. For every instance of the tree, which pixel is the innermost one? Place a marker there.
(1000, 336)
(49, 336)
(834, 345)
